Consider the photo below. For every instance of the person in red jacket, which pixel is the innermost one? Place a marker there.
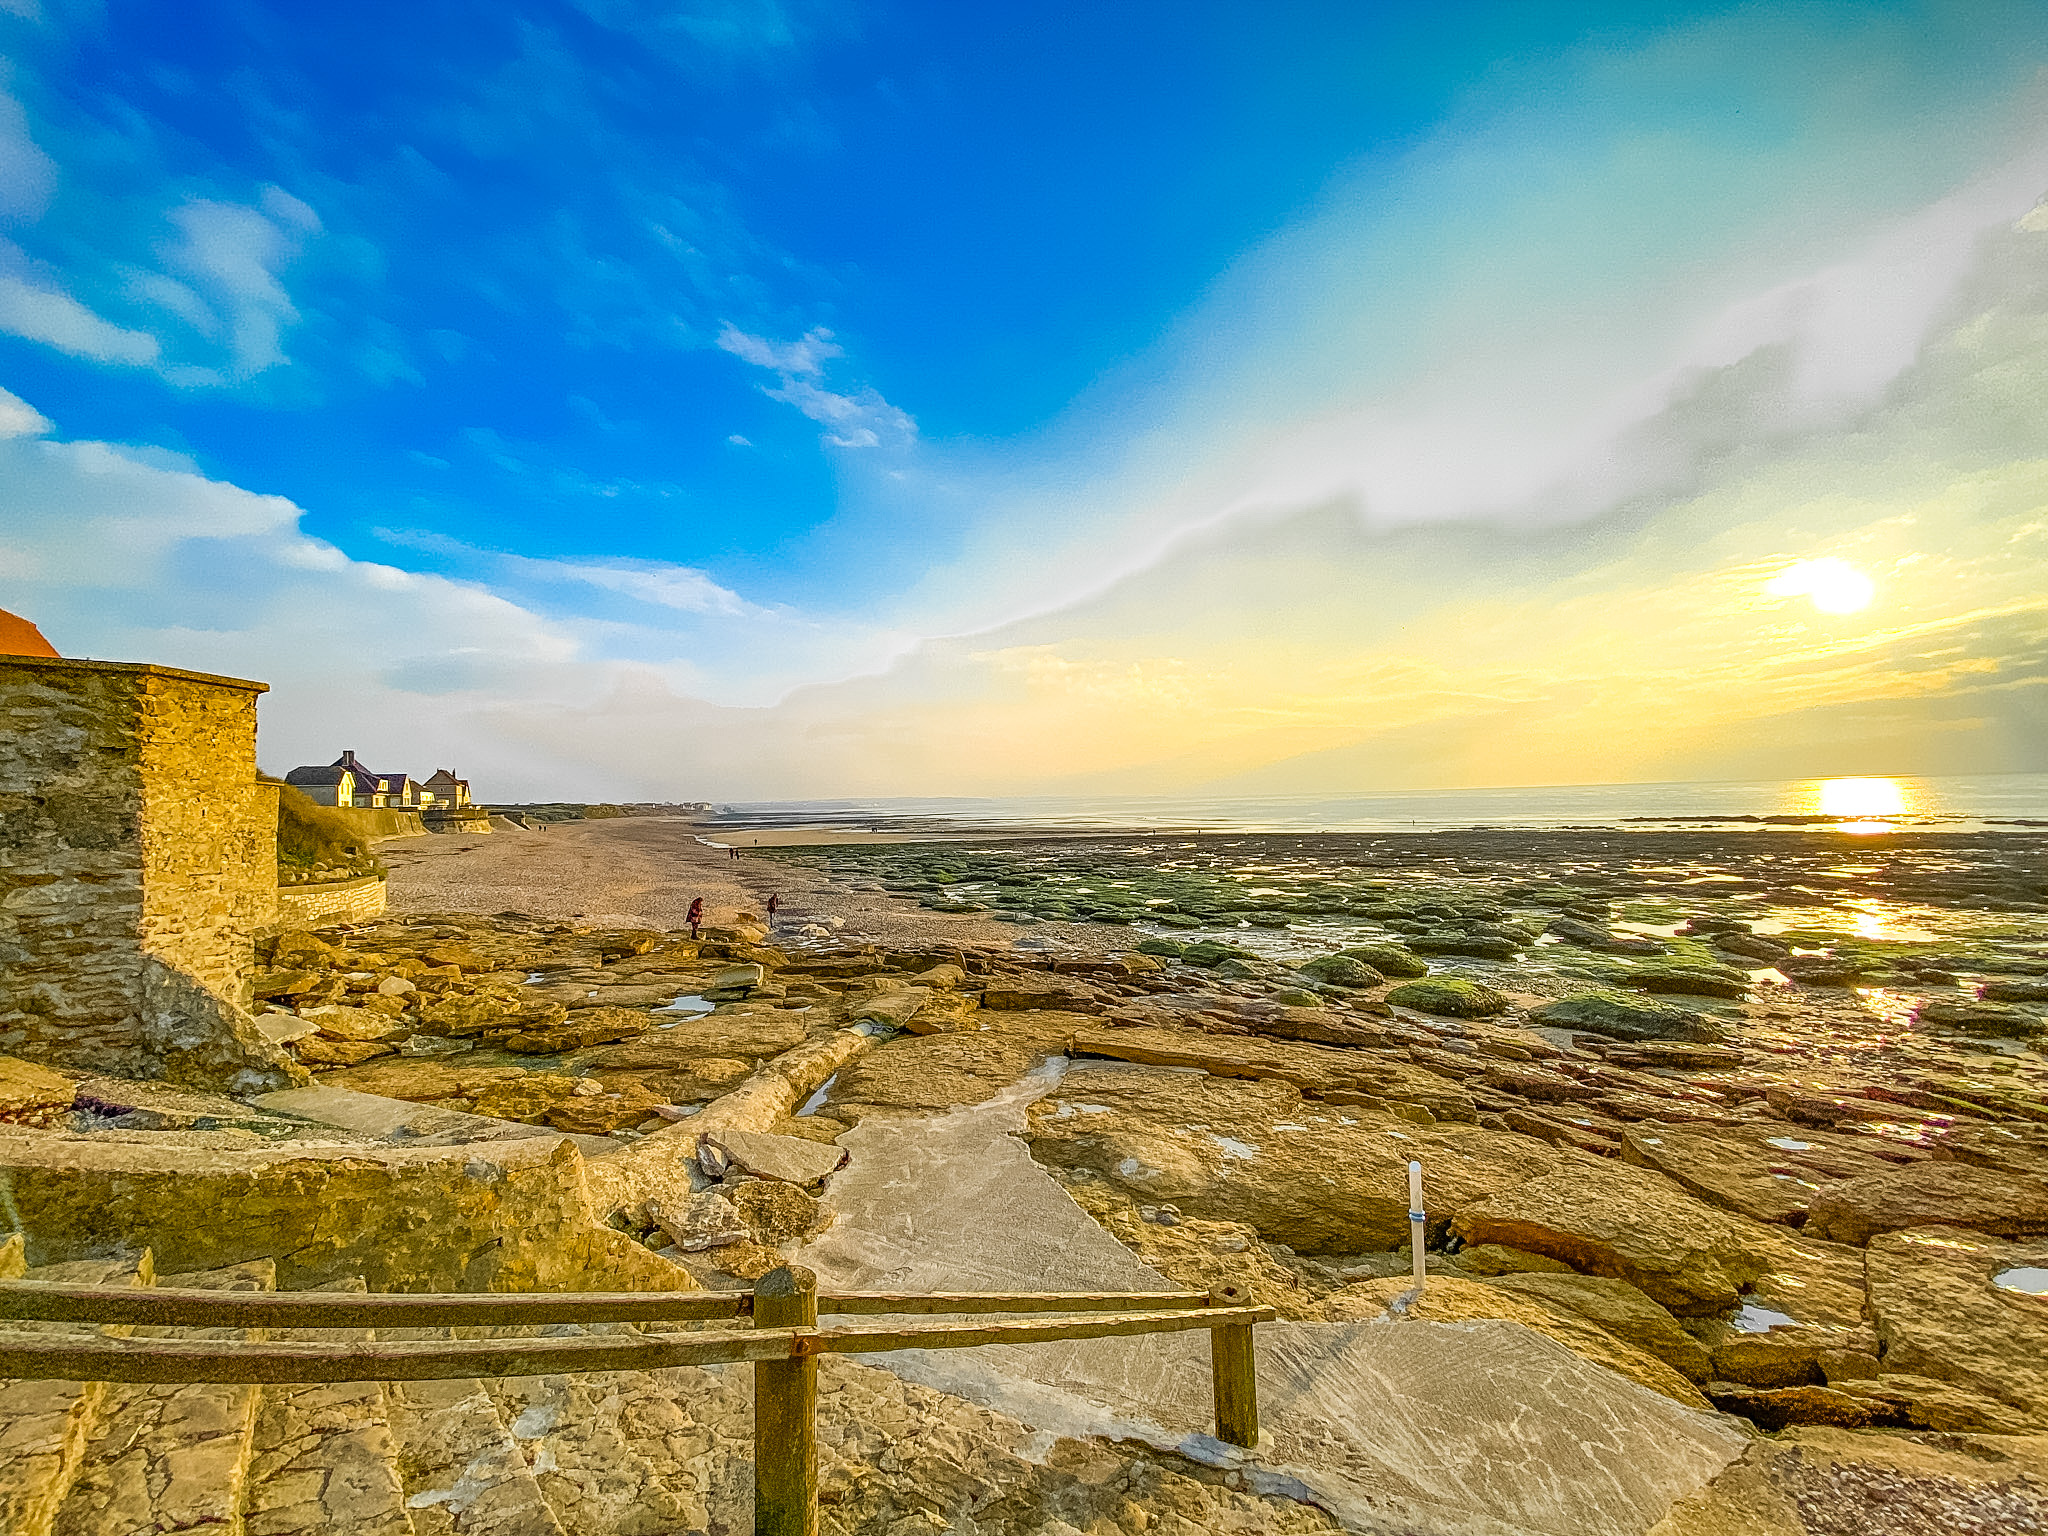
(696, 917)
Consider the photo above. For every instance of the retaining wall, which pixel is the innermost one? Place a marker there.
(378, 823)
(337, 901)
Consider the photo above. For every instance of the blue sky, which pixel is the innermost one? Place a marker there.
(713, 355)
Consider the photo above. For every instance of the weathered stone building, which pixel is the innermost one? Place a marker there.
(137, 862)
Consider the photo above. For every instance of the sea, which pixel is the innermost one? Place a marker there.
(1953, 803)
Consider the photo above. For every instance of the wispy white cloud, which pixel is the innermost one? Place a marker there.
(807, 355)
(231, 257)
(862, 419)
(20, 419)
(36, 308)
(678, 587)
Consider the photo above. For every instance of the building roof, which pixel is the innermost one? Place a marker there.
(334, 773)
(382, 783)
(18, 637)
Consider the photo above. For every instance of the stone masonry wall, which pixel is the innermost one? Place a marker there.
(343, 901)
(136, 864)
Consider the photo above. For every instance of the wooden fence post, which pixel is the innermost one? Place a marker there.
(1232, 1368)
(786, 1410)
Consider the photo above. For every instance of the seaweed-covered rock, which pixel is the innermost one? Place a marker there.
(1389, 960)
(1691, 980)
(1481, 946)
(1623, 1017)
(1983, 1018)
(1341, 971)
(1452, 996)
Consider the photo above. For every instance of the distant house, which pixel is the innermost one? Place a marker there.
(346, 782)
(388, 791)
(332, 785)
(442, 788)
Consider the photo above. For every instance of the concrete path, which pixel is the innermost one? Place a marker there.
(1432, 1429)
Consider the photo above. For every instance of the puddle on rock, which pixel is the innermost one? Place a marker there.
(2028, 1280)
(1755, 1319)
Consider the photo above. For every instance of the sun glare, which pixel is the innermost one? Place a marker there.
(1858, 798)
(1831, 585)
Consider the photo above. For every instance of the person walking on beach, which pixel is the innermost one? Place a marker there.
(774, 901)
(696, 917)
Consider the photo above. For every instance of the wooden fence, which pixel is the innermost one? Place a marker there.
(783, 1343)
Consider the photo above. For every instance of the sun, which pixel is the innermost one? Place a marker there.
(1831, 585)
(1861, 797)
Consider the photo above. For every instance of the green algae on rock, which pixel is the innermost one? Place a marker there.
(1622, 1017)
(1451, 996)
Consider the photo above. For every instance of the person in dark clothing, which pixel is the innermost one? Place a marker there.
(773, 903)
(696, 917)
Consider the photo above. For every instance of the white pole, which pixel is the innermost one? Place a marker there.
(1415, 1218)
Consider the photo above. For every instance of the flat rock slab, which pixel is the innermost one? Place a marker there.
(1926, 1194)
(792, 1159)
(1480, 1429)
(414, 1124)
(1320, 1178)
(1629, 1224)
(1448, 1299)
(1940, 1316)
(938, 1072)
(1318, 1070)
(1765, 1172)
(753, 1034)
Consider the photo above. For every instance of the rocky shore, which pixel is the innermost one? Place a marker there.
(1760, 1128)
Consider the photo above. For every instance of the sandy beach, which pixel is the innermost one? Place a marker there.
(645, 872)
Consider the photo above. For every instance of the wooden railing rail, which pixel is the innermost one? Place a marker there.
(35, 1301)
(783, 1346)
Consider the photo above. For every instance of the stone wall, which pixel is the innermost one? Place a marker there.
(379, 824)
(339, 901)
(137, 862)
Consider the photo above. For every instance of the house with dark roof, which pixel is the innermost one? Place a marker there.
(331, 785)
(348, 783)
(388, 791)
